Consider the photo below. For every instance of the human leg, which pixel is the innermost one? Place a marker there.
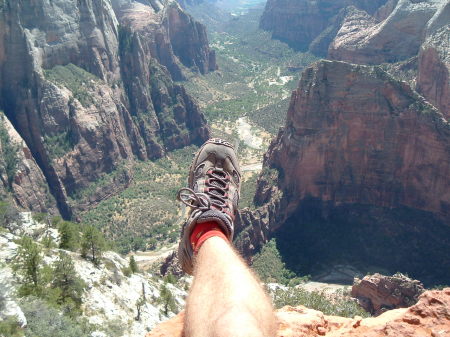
(226, 299)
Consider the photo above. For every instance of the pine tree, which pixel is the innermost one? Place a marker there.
(93, 244)
(28, 265)
(133, 265)
(69, 235)
(70, 287)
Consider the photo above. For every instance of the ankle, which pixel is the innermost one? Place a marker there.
(203, 232)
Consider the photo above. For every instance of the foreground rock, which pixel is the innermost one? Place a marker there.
(377, 293)
(429, 317)
(359, 154)
(88, 95)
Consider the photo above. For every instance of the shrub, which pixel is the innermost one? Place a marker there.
(45, 321)
(9, 327)
(336, 304)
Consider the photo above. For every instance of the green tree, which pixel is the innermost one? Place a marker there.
(68, 285)
(69, 235)
(133, 265)
(167, 299)
(92, 244)
(28, 265)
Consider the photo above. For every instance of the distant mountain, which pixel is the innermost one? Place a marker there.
(89, 85)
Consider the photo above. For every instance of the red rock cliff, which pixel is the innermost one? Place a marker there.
(361, 145)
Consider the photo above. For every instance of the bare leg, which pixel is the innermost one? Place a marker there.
(226, 300)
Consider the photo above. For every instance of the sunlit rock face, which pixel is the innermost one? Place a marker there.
(88, 85)
(300, 22)
(392, 34)
(358, 174)
(429, 315)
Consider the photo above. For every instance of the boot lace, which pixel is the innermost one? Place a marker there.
(215, 194)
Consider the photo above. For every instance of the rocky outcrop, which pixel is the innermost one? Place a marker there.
(433, 80)
(362, 163)
(378, 293)
(87, 93)
(383, 37)
(429, 317)
(168, 34)
(20, 175)
(299, 23)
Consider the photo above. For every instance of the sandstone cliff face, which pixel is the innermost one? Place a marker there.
(20, 174)
(86, 93)
(300, 22)
(361, 156)
(429, 317)
(433, 80)
(366, 39)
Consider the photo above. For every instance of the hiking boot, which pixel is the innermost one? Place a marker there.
(213, 194)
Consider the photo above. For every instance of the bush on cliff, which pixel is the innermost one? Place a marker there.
(337, 304)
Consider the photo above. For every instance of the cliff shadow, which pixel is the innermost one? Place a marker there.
(320, 236)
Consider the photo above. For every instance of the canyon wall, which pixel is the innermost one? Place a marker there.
(299, 23)
(362, 163)
(89, 85)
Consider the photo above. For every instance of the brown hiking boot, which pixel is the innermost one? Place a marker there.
(213, 194)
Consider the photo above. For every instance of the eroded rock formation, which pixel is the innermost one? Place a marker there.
(87, 93)
(429, 317)
(362, 163)
(393, 34)
(433, 80)
(378, 293)
(299, 23)
(20, 174)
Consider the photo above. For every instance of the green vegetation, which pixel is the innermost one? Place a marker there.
(133, 265)
(92, 244)
(58, 144)
(338, 304)
(9, 326)
(256, 74)
(270, 267)
(76, 79)
(145, 215)
(9, 152)
(45, 320)
(248, 190)
(167, 299)
(67, 286)
(69, 234)
(28, 266)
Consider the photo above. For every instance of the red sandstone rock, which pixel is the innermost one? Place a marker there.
(378, 293)
(430, 317)
(357, 137)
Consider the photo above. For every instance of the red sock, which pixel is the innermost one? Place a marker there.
(203, 232)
